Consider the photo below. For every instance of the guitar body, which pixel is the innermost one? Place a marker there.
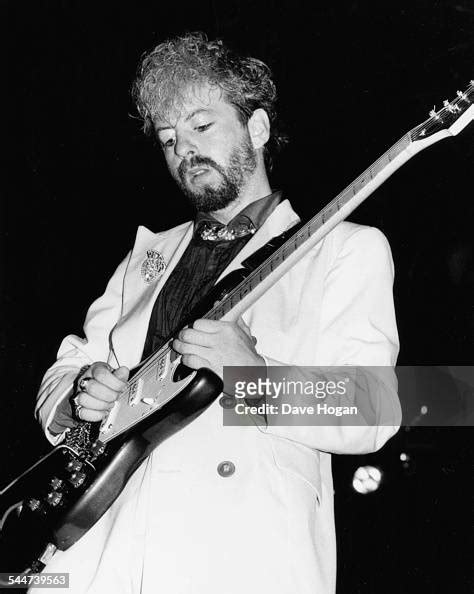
(67, 495)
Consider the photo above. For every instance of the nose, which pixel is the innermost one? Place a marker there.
(184, 147)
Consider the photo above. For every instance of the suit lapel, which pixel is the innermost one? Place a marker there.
(139, 296)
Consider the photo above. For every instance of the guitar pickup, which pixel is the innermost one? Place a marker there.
(135, 393)
(162, 367)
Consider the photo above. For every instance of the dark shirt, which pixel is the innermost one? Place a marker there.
(200, 266)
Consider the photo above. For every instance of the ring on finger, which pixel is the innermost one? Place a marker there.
(77, 410)
(83, 384)
(77, 407)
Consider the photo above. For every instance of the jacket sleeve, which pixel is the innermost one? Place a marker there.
(75, 352)
(357, 328)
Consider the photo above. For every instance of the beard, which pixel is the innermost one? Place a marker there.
(210, 197)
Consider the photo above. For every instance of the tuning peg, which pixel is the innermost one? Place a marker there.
(54, 498)
(97, 448)
(77, 479)
(461, 95)
(433, 113)
(34, 504)
(56, 483)
(449, 107)
(74, 465)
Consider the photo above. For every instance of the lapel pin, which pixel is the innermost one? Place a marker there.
(153, 266)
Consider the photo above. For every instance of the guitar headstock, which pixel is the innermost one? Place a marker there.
(453, 117)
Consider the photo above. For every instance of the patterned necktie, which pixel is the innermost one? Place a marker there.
(210, 230)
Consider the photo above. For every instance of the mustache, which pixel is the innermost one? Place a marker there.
(196, 161)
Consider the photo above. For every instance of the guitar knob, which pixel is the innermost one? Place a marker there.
(54, 498)
(98, 448)
(34, 504)
(74, 465)
(56, 483)
(77, 478)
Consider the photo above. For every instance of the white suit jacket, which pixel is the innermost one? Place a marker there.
(181, 527)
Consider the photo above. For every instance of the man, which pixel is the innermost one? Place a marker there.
(218, 508)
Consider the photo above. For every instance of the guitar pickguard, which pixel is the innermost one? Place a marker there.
(146, 393)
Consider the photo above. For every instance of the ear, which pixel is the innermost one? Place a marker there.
(259, 128)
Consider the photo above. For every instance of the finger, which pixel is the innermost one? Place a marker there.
(195, 362)
(87, 401)
(186, 348)
(85, 414)
(197, 337)
(122, 373)
(100, 391)
(210, 326)
(102, 373)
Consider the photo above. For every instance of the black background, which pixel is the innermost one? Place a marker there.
(353, 78)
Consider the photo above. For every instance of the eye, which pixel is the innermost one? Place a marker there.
(204, 127)
(167, 143)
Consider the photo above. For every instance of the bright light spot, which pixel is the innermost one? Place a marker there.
(366, 479)
(404, 457)
(424, 410)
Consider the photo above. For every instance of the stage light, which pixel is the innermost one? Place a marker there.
(366, 479)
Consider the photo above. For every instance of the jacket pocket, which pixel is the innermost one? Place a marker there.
(299, 460)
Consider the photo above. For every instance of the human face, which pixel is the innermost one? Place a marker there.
(208, 151)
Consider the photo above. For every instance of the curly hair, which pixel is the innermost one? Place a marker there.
(168, 71)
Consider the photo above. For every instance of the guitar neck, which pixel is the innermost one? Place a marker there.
(312, 232)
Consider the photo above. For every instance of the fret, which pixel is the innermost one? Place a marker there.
(217, 313)
(286, 250)
(265, 271)
(345, 196)
(224, 307)
(253, 282)
(318, 221)
(299, 241)
(380, 164)
(330, 210)
(360, 182)
(278, 258)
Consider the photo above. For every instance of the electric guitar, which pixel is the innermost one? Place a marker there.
(53, 503)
